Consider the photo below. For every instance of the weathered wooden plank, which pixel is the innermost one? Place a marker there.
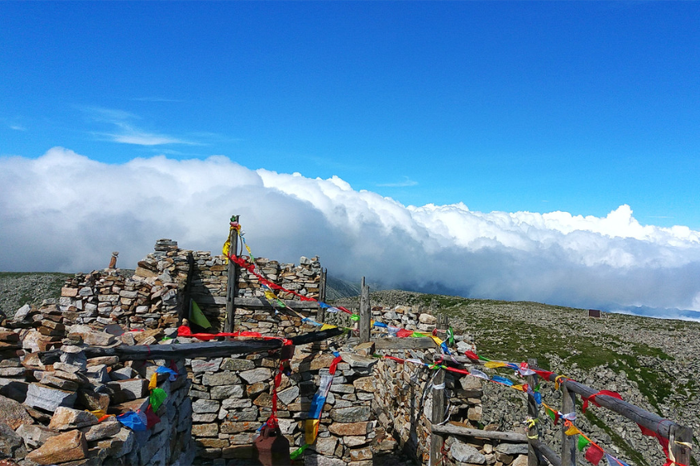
(452, 429)
(260, 303)
(534, 457)
(186, 350)
(365, 314)
(548, 453)
(232, 284)
(191, 350)
(680, 441)
(316, 336)
(437, 416)
(568, 442)
(403, 343)
(321, 316)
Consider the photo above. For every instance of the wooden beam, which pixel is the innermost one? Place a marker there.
(232, 284)
(437, 416)
(451, 429)
(181, 351)
(533, 432)
(260, 303)
(548, 453)
(403, 343)
(634, 413)
(321, 316)
(191, 350)
(568, 442)
(365, 314)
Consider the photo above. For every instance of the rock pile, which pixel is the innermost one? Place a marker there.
(64, 412)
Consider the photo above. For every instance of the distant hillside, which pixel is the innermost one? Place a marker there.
(20, 288)
(651, 362)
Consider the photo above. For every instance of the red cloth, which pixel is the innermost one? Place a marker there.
(544, 374)
(403, 333)
(334, 365)
(472, 355)
(594, 454)
(592, 398)
(151, 418)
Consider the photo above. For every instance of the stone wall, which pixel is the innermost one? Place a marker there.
(215, 406)
(44, 408)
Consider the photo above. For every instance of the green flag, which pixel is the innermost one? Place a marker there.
(582, 442)
(197, 316)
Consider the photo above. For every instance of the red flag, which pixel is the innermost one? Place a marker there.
(471, 355)
(594, 454)
(592, 398)
(334, 365)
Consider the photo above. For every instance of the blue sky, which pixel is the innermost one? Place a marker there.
(572, 106)
(544, 151)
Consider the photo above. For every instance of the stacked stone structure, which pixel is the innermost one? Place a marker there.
(215, 406)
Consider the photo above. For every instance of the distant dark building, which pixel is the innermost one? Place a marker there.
(594, 313)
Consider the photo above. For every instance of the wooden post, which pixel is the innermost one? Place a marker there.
(232, 287)
(533, 434)
(365, 314)
(322, 296)
(680, 440)
(568, 443)
(438, 415)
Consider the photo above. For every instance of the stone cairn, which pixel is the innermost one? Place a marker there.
(213, 409)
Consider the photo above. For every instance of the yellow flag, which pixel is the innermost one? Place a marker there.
(518, 387)
(436, 340)
(98, 413)
(572, 430)
(494, 364)
(328, 326)
(311, 431)
(154, 381)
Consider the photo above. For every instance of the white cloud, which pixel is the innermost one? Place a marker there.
(126, 132)
(18, 127)
(406, 183)
(64, 211)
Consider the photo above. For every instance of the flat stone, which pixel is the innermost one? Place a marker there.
(351, 414)
(366, 384)
(326, 445)
(238, 427)
(205, 430)
(12, 371)
(13, 413)
(97, 374)
(342, 388)
(206, 365)
(205, 418)
(68, 418)
(127, 390)
(105, 429)
(322, 361)
(49, 379)
(512, 449)
(233, 364)
(466, 453)
(520, 461)
(357, 361)
(125, 373)
(92, 337)
(351, 428)
(10, 443)
(288, 395)
(48, 398)
(205, 406)
(226, 391)
(119, 445)
(35, 435)
(92, 400)
(355, 440)
(220, 378)
(320, 460)
(260, 374)
(361, 454)
(69, 446)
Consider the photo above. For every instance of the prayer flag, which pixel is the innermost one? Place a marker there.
(553, 414)
(197, 316)
(582, 442)
(594, 454)
(154, 381)
(572, 430)
(157, 398)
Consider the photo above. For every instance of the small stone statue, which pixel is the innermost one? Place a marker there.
(113, 261)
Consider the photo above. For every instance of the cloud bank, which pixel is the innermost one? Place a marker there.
(66, 212)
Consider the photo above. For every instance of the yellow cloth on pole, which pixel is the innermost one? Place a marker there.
(311, 431)
(154, 381)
